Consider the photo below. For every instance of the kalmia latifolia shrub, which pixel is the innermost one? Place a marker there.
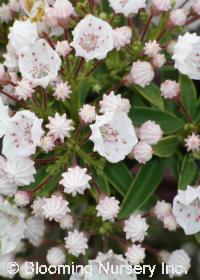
(100, 137)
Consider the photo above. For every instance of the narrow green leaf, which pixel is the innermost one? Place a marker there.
(166, 147)
(168, 121)
(102, 183)
(152, 94)
(119, 177)
(146, 182)
(188, 95)
(188, 174)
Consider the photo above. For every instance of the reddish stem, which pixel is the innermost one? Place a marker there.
(42, 184)
(14, 99)
(146, 27)
(79, 68)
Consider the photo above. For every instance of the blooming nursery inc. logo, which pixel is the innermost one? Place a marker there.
(99, 139)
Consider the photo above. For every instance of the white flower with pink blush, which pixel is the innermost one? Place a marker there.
(142, 152)
(127, 7)
(150, 132)
(63, 10)
(39, 63)
(59, 127)
(170, 89)
(55, 208)
(93, 38)
(162, 5)
(34, 230)
(22, 34)
(136, 228)
(20, 171)
(186, 209)
(122, 37)
(76, 243)
(24, 90)
(22, 134)
(114, 103)
(187, 55)
(75, 180)
(87, 113)
(192, 142)
(142, 73)
(108, 208)
(113, 135)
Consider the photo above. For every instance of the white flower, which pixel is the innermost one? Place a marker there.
(55, 256)
(114, 103)
(39, 63)
(76, 243)
(11, 58)
(63, 48)
(122, 37)
(186, 55)
(20, 171)
(186, 209)
(22, 34)
(159, 60)
(142, 73)
(22, 134)
(24, 273)
(34, 230)
(24, 90)
(152, 48)
(11, 227)
(2, 71)
(142, 152)
(109, 260)
(170, 222)
(196, 7)
(47, 143)
(59, 127)
(7, 187)
(62, 91)
(192, 143)
(113, 135)
(66, 222)
(150, 132)
(93, 38)
(170, 89)
(162, 5)
(4, 261)
(5, 13)
(37, 206)
(135, 254)
(178, 17)
(75, 180)
(87, 113)
(63, 10)
(162, 209)
(55, 208)
(180, 260)
(22, 198)
(127, 7)
(136, 228)
(108, 208)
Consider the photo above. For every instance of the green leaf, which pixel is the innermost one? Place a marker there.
(102, 183)
(119, 177)
(144, 185)
(188, 174)
(168, 121)
(152, 94)
(197, 236)
(188, 95)
(166, 147)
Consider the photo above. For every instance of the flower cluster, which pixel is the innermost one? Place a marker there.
(97, 110)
